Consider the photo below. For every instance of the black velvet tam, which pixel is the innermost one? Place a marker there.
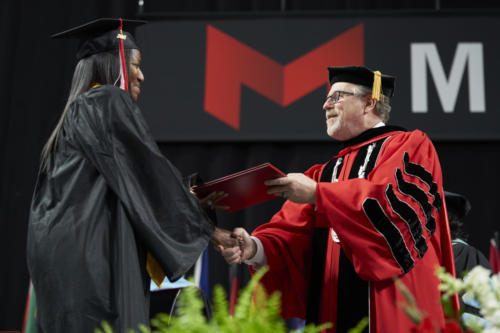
(362, 76)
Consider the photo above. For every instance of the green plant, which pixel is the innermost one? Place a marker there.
(255, 312)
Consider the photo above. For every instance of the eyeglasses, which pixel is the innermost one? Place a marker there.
(334, 98)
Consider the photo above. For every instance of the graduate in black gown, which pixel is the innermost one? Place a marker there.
(466, 256)
(109, 211)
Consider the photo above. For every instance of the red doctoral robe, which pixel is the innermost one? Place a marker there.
(382, 198)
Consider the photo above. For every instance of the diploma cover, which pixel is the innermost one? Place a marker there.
(245, 188)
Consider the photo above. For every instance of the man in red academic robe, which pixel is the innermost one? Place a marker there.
(373, 213)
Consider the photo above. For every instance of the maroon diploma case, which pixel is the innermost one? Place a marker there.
(245, 188)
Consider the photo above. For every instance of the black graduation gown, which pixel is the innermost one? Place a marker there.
(467, 257)
(107, 197)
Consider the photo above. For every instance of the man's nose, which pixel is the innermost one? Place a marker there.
(140, 77)
(325, 105)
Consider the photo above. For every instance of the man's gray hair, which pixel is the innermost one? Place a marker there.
(383, 106)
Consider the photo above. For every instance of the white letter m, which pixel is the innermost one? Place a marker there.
(466, 54)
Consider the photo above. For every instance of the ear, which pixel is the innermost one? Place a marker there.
(370, 104)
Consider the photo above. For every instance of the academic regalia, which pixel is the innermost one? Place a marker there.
(466, 256)
(379, 214)
(107, 197)
(105, 204)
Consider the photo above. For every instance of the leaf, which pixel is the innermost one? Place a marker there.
(311, 328)
(242, 309)
(106, 328)
(221, 313)
(447, 305)
(406, 293)
(143, 328)
(360, 326)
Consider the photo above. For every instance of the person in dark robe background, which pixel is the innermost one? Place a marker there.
(109, 211)
(466, 256)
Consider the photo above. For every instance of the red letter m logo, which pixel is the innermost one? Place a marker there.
(231, 63)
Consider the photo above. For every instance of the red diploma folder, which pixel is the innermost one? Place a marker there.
(245, 188)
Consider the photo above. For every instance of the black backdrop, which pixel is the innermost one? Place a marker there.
(35, 73)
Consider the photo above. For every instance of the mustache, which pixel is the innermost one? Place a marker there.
(330, 114)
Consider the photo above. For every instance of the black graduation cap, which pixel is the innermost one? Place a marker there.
(101, 35)
(457, 205)
(365, 77)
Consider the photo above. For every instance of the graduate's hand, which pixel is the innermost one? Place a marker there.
(210, 201)
(296, 187)
(223, 237)
(246, 248)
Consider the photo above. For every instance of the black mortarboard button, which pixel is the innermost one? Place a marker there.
(365, 77)
(457, 204)
(101, 36)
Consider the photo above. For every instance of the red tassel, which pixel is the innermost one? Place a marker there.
(235, 287)
(123, 63)
(494, 257)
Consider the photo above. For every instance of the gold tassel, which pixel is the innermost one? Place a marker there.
(94, 85)
(377, 85)
(154, 270)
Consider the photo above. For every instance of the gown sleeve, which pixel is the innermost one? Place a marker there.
(387, 222)
(110, 131)
(286, 239)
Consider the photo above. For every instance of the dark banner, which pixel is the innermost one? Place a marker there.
(256, 79)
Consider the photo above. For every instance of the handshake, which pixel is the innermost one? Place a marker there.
(236, 246)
